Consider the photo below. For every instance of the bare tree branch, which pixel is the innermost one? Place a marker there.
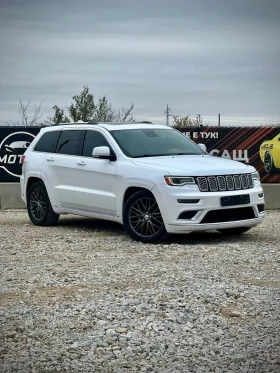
(27, 121)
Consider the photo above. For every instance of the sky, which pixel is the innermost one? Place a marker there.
(198, 56)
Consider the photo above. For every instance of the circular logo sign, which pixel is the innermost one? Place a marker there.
(11, 151)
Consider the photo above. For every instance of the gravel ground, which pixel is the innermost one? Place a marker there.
(83, 297)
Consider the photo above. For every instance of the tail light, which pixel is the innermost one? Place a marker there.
(23, 159)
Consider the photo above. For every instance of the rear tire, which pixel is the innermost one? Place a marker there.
(142, 218)
(234, 231)
(39, 208)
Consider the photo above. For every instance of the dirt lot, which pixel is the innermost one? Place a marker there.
(83, 297)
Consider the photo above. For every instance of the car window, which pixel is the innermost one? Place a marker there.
(92, 140)
(68, 142)
(47, 142)
(154, 142)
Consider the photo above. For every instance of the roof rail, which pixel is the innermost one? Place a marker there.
(117, 123)
(93, 122)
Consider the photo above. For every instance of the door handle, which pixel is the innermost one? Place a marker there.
(81, 163)
(50, 159)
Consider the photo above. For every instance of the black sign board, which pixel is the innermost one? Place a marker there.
(13, 143)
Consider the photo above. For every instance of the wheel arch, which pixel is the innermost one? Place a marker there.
(31, 180)
(132, 190)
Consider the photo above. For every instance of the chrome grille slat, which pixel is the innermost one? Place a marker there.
(224, 183)
(244, 181)
(237, 182)
(212, 181)
(250, 181)
(229, 180)
(202, 184)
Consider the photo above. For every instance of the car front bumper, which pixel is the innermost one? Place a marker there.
(186, 228)
(201, 203)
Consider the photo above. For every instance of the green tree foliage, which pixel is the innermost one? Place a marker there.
(84, 108)
(187, 121)
(59, 116)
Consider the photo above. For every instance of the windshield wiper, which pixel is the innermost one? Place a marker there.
(185, 154)
(150, 155)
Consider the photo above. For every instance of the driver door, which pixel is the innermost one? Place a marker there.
(95, 177)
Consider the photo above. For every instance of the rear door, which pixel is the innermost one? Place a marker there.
(95, 177)
(59, 168)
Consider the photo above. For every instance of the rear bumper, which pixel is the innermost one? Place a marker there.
(22, 188)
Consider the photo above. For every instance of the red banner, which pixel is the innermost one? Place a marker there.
(258, 146)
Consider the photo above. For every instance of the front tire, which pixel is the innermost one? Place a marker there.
(234, 231)
(269, 163)
(39, 208)
(142, 218)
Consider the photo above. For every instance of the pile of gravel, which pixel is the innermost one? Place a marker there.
(83, 297)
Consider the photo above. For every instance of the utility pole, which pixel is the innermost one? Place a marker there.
(219, 120)
(167, 112)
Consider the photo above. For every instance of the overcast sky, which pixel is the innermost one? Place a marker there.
(199, 56)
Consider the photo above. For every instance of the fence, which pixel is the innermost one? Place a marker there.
(249, 145)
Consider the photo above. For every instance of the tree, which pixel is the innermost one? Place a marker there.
(27, 120)
(59, 116)
(84, 108)
(105, 113)
(187, 121)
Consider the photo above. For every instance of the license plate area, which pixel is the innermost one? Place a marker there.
(243, 199)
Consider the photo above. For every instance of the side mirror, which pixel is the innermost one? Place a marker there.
(103, 152)
(203, 147)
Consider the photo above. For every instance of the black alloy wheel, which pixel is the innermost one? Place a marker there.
(38, 203)
(39, 207)
(142, 218)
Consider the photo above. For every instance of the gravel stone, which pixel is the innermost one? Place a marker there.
(83, 297)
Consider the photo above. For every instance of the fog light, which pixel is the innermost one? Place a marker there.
(187, 215)
(261, 208)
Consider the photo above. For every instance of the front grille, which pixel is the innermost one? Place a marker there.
(225, 215)
(224, 183)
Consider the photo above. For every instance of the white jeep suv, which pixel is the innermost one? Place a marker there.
(150, 178)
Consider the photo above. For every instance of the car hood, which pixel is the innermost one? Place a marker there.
(194, 165)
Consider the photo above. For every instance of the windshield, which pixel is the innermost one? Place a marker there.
(152, 142)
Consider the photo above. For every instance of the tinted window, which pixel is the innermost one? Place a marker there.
(152, 142)
(47, 142)
(92, 140)
(68, 141)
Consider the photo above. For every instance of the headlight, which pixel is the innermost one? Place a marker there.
(179, 180)
(256, 176)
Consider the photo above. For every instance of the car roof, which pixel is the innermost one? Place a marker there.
(108, 125)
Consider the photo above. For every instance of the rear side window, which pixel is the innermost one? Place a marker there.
(68, 142)
(92, 140)
(47, 142)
